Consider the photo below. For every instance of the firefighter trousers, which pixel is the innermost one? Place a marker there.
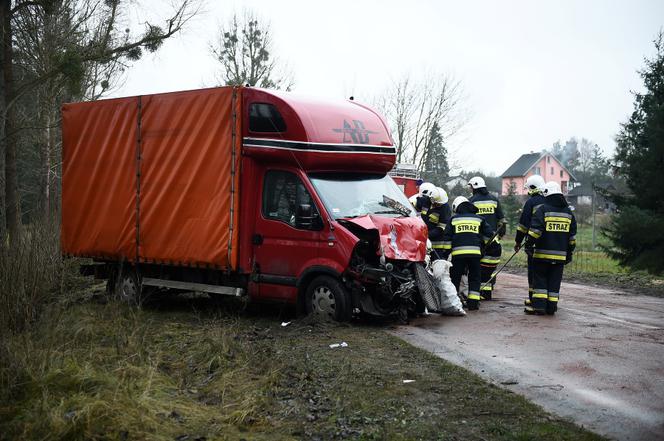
(531, 276)
(547, 277)
(471, 264)
(488, 265)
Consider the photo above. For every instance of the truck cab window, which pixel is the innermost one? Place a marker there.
(283, 193)
(265, 118)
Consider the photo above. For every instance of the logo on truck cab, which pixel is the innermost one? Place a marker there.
(355, 133)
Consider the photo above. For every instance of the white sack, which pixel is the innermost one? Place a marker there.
(450, 304)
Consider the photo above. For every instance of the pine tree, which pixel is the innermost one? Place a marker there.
(637, 231)
(511, 207)
(436, 168)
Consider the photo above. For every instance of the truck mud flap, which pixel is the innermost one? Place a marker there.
(427, 288)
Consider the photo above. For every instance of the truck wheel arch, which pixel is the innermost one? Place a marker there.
(306, 277)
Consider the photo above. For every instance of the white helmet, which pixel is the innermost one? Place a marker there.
(426, 189)
(551, 188)
(534, 184)
(458, 201)
(440, 196)
(477, 182)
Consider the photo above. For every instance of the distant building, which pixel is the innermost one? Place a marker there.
(583, 195)
(544, 164)
(453, 181)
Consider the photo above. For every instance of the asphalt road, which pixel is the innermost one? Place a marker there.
(599, 361)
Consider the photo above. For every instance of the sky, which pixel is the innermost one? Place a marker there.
(532, 72)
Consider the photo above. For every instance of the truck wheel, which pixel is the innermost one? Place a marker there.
(129, 288)
(327, 299)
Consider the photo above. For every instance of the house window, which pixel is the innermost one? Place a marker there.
(561, 173)
(548, 159)
(551, 171)
(538, 171)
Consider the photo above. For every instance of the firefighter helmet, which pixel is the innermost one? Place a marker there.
(426, 189)
(440, 196)
(552, 188)
(477, 182)
(458, 201)
(534, 184)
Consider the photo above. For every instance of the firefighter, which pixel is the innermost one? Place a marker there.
(535, 187)
(423, 201)
(550, 243)
(436, 217)
(489, 208)
(464, 236)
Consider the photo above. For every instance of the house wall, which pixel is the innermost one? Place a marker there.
(548, 167)
(517, 182)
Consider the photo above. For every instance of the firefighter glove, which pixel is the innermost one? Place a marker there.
(502, 229)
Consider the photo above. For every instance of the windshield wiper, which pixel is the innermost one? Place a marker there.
(387, 212)
(396, 206)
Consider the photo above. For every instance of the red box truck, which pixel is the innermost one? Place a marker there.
(241, 191)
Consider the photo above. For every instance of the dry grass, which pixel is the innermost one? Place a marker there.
(33, 274)
(189, 368)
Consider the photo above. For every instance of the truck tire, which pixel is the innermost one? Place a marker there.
(327, 299)
(128, 287)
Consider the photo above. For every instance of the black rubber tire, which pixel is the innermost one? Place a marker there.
(126, 280)
(329, 292)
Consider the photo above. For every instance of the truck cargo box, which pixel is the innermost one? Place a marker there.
(154, 178)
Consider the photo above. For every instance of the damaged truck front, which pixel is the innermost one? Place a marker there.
(245, 192)
(389, 241)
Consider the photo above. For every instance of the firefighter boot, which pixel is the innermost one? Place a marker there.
(537, 304)
(532, 311)
(552, 303)
(529, 300)
(473, 301)
(486, 291)
(473, 305)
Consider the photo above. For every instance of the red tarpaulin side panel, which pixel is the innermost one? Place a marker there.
(99, 179)
(187, 154)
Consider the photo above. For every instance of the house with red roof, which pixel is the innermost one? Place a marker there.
(544, 164)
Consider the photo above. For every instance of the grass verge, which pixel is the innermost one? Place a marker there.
(194, 370)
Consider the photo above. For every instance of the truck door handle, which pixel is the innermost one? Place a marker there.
(257, 239)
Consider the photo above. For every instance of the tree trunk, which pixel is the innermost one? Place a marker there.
(12, 208)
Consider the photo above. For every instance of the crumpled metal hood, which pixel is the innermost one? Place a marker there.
(403, 238)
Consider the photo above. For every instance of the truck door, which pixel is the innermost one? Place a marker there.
(285, 241)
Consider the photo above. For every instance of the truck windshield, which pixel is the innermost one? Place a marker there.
(348, 195)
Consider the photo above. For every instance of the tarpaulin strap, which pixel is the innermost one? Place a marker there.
(139, 142)
(233, 147)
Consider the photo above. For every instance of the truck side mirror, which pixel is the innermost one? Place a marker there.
(306, 218)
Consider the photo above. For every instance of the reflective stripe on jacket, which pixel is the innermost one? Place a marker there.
(489, 208)
(553, 230)
(465, 233)
(529, 209)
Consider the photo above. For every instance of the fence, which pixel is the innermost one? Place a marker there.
(585, 259)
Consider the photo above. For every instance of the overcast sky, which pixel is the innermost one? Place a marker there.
(533, 72)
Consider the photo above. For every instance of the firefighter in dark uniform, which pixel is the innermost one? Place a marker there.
(489, 208)
(423, 200)
(550, 242)
(535, 186)
(464, 237)
(436, 217)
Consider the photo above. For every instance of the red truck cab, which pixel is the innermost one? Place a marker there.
(311, 215)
